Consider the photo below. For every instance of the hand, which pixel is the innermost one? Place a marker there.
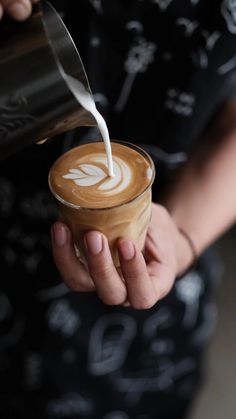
(144, 278)
(18, 9)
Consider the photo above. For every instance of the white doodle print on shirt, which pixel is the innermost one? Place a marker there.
(100, 99)
(152, 377)
(161, 320)
(52, 293)
(200, 56)
(163, 382)
(189, 290)
(202, 335)
(32, 374)
(228, 9)
(109, 343)
(62, 318)
(181, 103)
(136, 385)
(162, 347)
(39, 206)
(210, 38)
(95, 41)
(31, 262)
(189, 25)
(16, 234)
(163, 4)
(228, 66)
(69, 405)
(155, 376)
(136, 26)
(97, 4)
(140, 56)
(30, 256)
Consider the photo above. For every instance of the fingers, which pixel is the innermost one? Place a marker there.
(141, 292)
(161, 272)
(138, 285)
(102, 277)
(70, 267)
(109, 285)
(18, 9)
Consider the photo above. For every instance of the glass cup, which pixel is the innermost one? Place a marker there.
(127, 220)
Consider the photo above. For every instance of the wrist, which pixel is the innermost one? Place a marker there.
(186, 252)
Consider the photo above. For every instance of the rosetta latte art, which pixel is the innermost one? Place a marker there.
(81, 177)
(91, 174)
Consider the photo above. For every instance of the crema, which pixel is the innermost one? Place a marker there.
(81, 178)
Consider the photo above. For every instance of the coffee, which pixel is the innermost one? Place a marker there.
(90, 199)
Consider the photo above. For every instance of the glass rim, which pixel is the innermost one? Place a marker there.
(125, 143)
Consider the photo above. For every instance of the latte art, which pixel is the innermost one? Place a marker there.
(86, 175)
(92, 174)
(90, 199)
(80, 177)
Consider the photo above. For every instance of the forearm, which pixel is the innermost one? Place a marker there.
(202, 199)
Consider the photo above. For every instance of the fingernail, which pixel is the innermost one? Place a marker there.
(126, 249)
(59, 235)
(93, 242)
(19, 11)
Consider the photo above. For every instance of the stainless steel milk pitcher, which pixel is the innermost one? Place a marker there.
(35, 99)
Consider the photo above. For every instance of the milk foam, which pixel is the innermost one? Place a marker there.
(80, 176)
(91, 174)
(86, 100)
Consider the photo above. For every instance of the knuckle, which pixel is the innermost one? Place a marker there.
(131, 272)
(98, 271)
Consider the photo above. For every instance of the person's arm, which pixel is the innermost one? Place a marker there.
(17, 9)
(202, 202)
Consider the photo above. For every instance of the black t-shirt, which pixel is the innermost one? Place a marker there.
(159, 70)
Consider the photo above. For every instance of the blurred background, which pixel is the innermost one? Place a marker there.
(217, 399)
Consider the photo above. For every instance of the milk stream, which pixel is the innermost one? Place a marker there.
(86, 100)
